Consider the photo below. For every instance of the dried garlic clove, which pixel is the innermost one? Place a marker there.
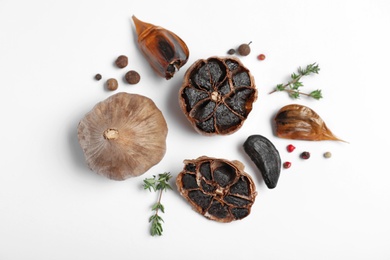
(123, 136)
(266, 158)
(165, 51)
(302, 123)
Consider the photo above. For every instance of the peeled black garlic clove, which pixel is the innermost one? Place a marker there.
(266, 157)
(301, 123)
(123, 136)
(165, 51)
(218, 189)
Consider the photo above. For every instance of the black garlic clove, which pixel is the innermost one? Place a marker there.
(266, 158)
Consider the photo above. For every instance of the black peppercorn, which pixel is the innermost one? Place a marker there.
(231, 51)
(98, 76)
(132, 77)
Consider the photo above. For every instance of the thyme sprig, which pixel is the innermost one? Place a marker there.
(157, 183)
(292, 87)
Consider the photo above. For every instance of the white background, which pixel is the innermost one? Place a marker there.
(53, 207)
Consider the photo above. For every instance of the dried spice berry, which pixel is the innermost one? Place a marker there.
(286, 165)
(305, 155)
(112, 84)
(261, 57)
(266, 158)
(98, 76)
(217, 95)
(327, 154)
(218, 189)
(290, 148)
(132, 77)
(121, 61)
(244, 49)
(231, 51)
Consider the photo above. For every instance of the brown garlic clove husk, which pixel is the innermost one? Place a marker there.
(123, 136)
(165, 51)
(301, 123)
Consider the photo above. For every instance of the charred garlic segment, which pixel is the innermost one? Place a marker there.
(123, 136)
(218, 189)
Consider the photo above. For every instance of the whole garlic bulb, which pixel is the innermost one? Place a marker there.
(123, 136)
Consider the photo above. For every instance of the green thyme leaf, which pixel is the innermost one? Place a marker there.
(294, 95)
(280, 87)
(316, 94)
(158, 206)
(150, 183)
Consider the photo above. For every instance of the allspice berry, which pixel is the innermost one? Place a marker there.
(132, 77)
(244, 49)
(112, 84)
(121, 61)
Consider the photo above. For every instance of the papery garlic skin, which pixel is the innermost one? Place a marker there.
(164, 50)
(301, 123)
(123, 136)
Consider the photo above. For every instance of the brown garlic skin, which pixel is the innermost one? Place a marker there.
(123, 136)
(165, 51)
(301, 123)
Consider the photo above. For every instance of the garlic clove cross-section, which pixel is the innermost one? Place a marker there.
(216, 188)
(123, 136)
(217, 95)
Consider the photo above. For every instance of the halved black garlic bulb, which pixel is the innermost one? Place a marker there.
(217, 95)
(218, 189)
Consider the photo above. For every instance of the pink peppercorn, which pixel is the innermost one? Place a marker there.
(290, 148)
(261, 57)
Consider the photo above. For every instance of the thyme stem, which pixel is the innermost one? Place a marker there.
(159, 201)
(292, 87)
(157, 183)
(301, 93)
